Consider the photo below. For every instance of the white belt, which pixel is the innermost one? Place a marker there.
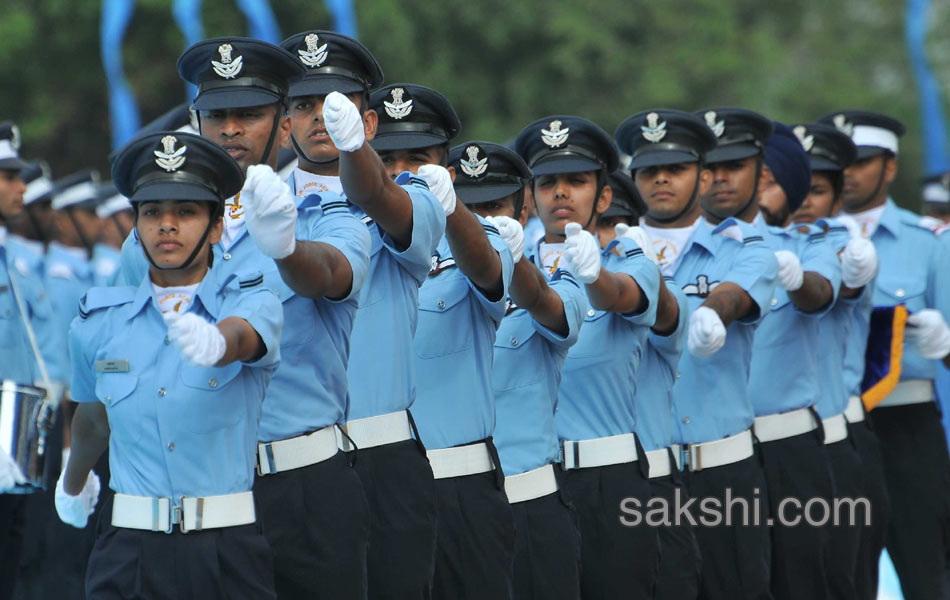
(531, 484)
(599, 452)
(659, 463)
(855, 411)
(460, 461)
(836, 428)
(912, 391)
(191, 514)
(726, 451)
(294, 453)
(784, 425)
(376, 431)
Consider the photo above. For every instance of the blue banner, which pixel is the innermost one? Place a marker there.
(932, 121)
(344, 17)
(123, 110)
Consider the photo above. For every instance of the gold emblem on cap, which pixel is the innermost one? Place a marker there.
(807, 140)
(843, 125)
(654, 130)
(397, 109)
(554, 136)
(474, 166)
(227, 67)
(314, 55)
(718, 127)
(168, 158)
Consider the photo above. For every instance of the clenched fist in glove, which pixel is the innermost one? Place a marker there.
(582, 253)
(790, 273)
(10, 474)
(199, 341)
(928, 332)
(706, 334)
(344, 123)
(512, 232)
(639, 237)
(75, 510)
(440, 184)
(270, 212)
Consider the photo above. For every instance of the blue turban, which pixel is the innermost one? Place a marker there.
(789, 163)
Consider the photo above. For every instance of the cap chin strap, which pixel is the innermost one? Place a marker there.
(306, 157)
(755, 188)
(689, 205)
(40, 234)
(118, 225)
(600, 190)
(877, 188)
(273, 134)
(191, 257)
(79, 231)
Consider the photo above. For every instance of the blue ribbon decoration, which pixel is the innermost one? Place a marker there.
(932, 121)
(344, 17)
(123, 110)
(261, 22)
(187, 14)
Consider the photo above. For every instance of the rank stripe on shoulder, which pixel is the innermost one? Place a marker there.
(334, 206)
(251, 282)
(634, 252)
(490, 228)
(562, 275)
(753, 238)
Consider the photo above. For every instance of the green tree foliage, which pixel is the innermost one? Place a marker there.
(502, 63)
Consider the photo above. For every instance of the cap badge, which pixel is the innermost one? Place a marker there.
(314, 55)
(842, 124)
(170, 159)
(227, 68)
(15, 137)
(654, 131)
(807, 140)
(554, 136)
(474, 166)
(398, 109)
(718, 127)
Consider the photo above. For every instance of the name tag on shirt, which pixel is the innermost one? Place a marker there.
(112, 366)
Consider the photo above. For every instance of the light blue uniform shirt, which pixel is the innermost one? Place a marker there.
(16, 358)
(105, 265)
(308, 391)
(710, 398)
(914, 270)
(656, 378)
(526, 373)
(68, 276)
(177, 429)
(600, 374)
(784, 374)
(453, 350)
(381, 372)
(26, 259)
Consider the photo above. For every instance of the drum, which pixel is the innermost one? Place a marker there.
(26, 423)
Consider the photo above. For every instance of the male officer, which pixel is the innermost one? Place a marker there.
(854, 456)
(465, 293)
(784, 375)
(541, 323)
(603, 463)
(727, 273)
(913, 271)
(328, 104)
(171, 375)
(935, 193)
(314, 255)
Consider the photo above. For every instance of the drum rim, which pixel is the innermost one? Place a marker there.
(11, 385)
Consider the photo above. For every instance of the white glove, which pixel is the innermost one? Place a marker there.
(790, 273)
(639, 237)
(858, 263)
(344, 123)
(440, 184)
(512, 232)
(75, 510)
(928, 332)
(10, 474)
(707, 334)
(269, 211)
(199, 341)
(582, 253)
(854, 229)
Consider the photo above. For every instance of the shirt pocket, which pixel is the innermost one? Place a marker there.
(373, 291)
(911, 292)
(522, 368)
(593, 340)
(211, 398)
(113, 388)
(441, 330)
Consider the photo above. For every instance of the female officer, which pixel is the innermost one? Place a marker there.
(171, 374)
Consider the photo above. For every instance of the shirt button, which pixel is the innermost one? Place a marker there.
(167, 341)
(226, 256)
(590, 313)
(686, 420)
(213, 382)
(441, 303)
(514, 341)
(677, 375)
(900, 292)
(774, 301)
(171, 446)
(108, 398)
(161, 391)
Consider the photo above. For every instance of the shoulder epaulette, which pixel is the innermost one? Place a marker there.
(333, 203)
(407, 178)
(562, 275)
(98, 298)
(244, 279)
(753, 239)
(489, 228)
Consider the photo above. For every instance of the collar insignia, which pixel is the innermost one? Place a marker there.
(718, 127)
(654, 131)
(314, 55)
(808, 141)
(554, 136)
(843, 125)
(170, 159)
(227, 67)
(474, 166)
(438, 265)
(701, 288)
(398, 109)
